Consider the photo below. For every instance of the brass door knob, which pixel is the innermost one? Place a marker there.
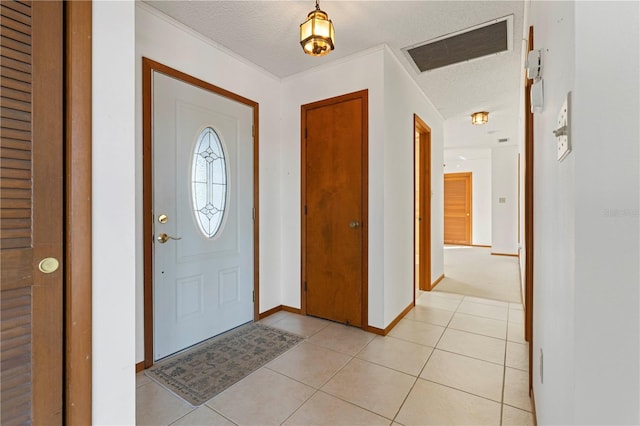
(163, 238)
(48, 265)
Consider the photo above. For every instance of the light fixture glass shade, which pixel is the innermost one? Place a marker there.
(481, 117)
(317, 34)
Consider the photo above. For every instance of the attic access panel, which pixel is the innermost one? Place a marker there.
(461, 47)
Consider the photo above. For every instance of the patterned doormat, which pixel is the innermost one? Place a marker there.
(200, 373)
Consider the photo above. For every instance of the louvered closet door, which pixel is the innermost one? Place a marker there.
(31, 213)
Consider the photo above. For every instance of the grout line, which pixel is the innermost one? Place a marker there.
(300, 406)
(504, 380)
(354, 404)
(185, 415)
(461, 390)
(218, 412)
(468, 356)
(519, 408)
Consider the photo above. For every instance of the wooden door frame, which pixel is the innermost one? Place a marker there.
(363, 95)
(470, 198)
(148, 67)
(78, 247)
(528, 218)
(423, 203)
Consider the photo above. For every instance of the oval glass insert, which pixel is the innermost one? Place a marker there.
(209, 182)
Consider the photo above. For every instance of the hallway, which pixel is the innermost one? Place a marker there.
(474, 271)
(453, 359)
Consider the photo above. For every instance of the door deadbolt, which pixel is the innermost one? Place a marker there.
(163, 218)
(48, 265)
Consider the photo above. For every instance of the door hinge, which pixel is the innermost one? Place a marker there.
(305, 132)
(253, 214)
(253, 131)
(305, 286)
(305, 209)
(253, 296)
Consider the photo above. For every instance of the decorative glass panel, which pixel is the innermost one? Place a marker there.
(209, 182)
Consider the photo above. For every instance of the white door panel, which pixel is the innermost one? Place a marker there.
(203, 285)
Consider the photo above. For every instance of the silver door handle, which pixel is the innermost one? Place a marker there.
(163, 238)
(354, 224)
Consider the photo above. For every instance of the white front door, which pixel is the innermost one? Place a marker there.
(203, 214)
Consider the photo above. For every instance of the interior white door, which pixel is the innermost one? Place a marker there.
(203, 214)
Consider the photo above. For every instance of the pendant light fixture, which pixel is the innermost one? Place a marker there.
(316, 33)
(481, 117)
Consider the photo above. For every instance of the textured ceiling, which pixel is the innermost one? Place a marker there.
(266, 33)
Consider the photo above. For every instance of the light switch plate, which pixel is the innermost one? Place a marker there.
(564, 141)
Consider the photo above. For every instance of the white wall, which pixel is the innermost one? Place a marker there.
(164, 40)
(606, 138)
(478, 163)
(586, 245)
(504, 200)
(554, 210)
(402, 99)
(113, 214)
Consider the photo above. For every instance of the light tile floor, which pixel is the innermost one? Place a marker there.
(452, 360)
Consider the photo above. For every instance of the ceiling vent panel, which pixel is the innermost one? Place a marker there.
(484, 40)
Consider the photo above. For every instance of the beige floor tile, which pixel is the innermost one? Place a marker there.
(398, 354)
(142, 379)
(486, 301)
(487, 311)
(310, 364)
(515, 332)
(430, 315)
(157, 406)
(515, 417)
(439, 294)
(479, 325)
(203, 416)
(516, 315)
(435, 300)
(517, 356)
(467, 374)
(274, 318)
(516, 389)
(342, 338)
(370, 386)
(301, 325)
(417, 332)
(264, 397)
(324, 409)
(433, 404)
(473, 345)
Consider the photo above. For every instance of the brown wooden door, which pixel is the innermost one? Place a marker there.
(31, 212)
(457, 208)
(334, 231)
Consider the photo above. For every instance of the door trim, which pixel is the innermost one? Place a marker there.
(363, 95)
(78, 252)
(423, 203)
(528, 218)
(148, 67)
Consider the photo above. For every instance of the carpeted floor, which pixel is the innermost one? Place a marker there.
(474, 271)
(200, 373)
